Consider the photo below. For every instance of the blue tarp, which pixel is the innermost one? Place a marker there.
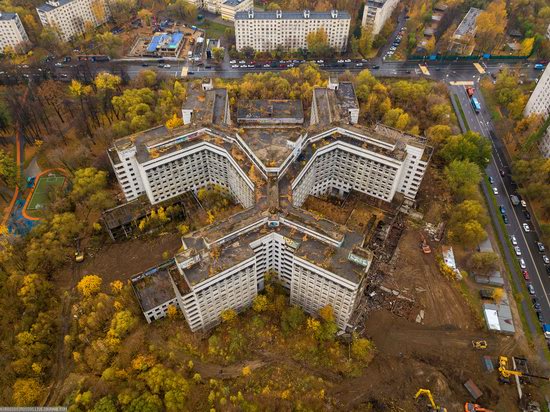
(172, 39)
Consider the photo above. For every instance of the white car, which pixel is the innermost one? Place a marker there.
(495, 190)
(513, 240)
(347, 61)
(232, 61)
(340, 61)
(523, 203)
(242, 62)
(526, 227)
(522, 264)
(545, 259)
(266, 66)
(234, 66)
(518, 251)
(320, 61)
(166, 66)
(243, 66)
(58, 64)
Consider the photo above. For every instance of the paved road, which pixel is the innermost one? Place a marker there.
(482, 124)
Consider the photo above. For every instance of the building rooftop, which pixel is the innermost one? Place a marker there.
(154, 286)
(232, 3)
(4, 16)
(333, 105)
(51, 5)
(468, 24)
(272, 145)
(208, 106)
(164, 41)
(292, 15)
(270, 111)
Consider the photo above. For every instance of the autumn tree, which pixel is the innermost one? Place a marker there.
(463, 178)
(491, 24)
(27, 392)
(362, 349)
(260, 303)
(468, 146)
(317, 43)
(89, 285)
(467, 221)
(229, 315)
(174, 122)
(365, 42)
(483, 262)
(8, 169)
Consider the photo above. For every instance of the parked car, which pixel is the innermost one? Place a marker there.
(491, 180)
(167, 66)
(548, 270)
(522, 263)
(539, 317)
(495, 191)
(526, 227)
(523, 203)
(502, 172)
(234, 66)
(545, 259)
(527, 214)
(530, 289)
(513, 240)
(517, 250)
(536, 306)
(525, 274)
(502, 209)
(540, 247)
(505, 219)
(232, 61)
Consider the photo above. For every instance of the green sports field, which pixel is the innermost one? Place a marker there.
(40, 195)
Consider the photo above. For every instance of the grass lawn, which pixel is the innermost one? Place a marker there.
(213, 29)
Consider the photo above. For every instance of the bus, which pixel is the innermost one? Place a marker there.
(94, 57)
(475, 104)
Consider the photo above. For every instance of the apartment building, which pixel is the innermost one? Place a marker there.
(224, 265)
(69, 17)
(162, 164)
(539, 103)
(12, 32)
(376, 13)
(376, 164)
(264, 31)
(229, 8)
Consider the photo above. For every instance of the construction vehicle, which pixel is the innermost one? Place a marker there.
(424, 245)
(470, 91)
(479, 344)
(506, 373)
(78, 254)
(433, 406)
(474, 407)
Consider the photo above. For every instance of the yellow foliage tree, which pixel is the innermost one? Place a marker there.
(527, 46)
(327, 313)
(89, 285)
(172, 311)
(260, 303)
(228, 315)
(313, 325)
(116, 286)
(246, 371)
(174, 122)
(498, 294)
(27, 392)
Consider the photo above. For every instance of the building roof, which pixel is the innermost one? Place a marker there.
(266, 110)
(154, 287)
(292, 15)
(165, 41)
(51, 5)
(468, 24)
(7, 16)
(334, 105)
(232, 3)
(208, 107)
(271, 144)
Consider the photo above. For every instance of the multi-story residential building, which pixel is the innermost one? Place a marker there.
(539, 103)
(463, 38)
(12, 32)
(224, 265)
(69, 17)
(264, 31)
(229, 8)
(376, 13)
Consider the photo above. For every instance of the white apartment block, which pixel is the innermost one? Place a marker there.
(378, 168)
(229, 8)
(539, 103)
(376, 13)
(12, 32)
(224, 265)
(264, 31)
(69, 17)
(168, 167)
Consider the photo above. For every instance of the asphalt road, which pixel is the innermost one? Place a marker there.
(482, 123)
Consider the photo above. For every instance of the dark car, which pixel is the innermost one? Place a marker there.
(536, 306)
(548, 270)
(539, 317)
(527, 215)
(144, 65)
(502, 209)
(505, 219)
(376, 67)
(502, 172)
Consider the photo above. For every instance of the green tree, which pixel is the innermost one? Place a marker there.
(105, 404)
(317, 43)
(484, 262)
(466, 223)
(218, 53)
(292, 319)
(438, 134)
(463, 178)
(468, 146)
(362, 349)
(8, 169)
(365, 42)
(109, 43)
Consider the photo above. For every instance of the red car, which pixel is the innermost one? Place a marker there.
(525, 274)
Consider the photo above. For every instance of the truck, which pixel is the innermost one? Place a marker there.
(475, 104)
(514, 199)
(539, 66)
(470, 92)
(546, 330)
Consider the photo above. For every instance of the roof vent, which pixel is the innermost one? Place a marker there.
(279, 14)
(334, 13)
(251, 14)
(306, 14)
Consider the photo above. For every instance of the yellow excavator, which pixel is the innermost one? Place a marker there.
(507, 373)
(428, 394)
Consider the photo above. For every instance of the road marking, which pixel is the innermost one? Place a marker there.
(480, 69)
(424, 70)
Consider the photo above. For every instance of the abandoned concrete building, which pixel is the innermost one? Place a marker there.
(223, 266)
